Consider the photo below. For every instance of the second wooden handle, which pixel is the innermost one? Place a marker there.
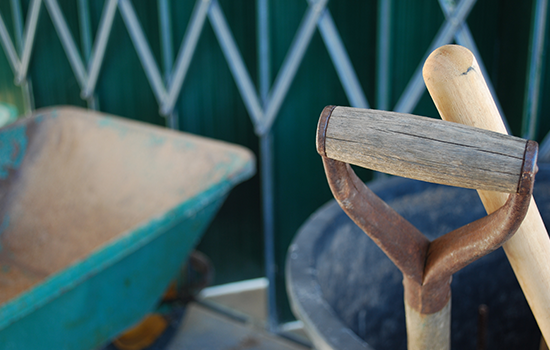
(422, 148)
(460, 93)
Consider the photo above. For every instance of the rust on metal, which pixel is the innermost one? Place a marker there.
(427, 267)
(322, 129)
(383, 224)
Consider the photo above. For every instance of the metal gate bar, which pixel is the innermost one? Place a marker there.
(414, 90)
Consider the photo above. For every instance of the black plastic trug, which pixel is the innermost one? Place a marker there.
(341, 284)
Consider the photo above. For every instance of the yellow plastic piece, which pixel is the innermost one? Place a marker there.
(142, 335)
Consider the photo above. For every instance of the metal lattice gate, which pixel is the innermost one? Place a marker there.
(264, 99)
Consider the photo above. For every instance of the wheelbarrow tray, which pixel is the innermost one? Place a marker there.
(98, 214)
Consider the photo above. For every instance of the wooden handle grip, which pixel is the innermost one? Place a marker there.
(422, 148)
(460, 93)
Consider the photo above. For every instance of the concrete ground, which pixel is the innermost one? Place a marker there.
(233, 317)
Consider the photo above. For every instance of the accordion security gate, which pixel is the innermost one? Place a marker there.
(263, 100)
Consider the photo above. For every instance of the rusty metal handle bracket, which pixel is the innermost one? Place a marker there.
(427, 267)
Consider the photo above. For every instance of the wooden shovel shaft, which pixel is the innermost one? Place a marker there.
(424, 149)
(432, 331)
(460, 93)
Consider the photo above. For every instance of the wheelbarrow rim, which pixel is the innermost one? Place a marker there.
(306, 297)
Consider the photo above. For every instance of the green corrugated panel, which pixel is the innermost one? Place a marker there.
(9, 93)
(300, 182)
(501, 30)
(544, 113)
(211, 105)
(414, 26)
(53, 80)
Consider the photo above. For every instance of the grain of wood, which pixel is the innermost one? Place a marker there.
(425, 149)
(460, 93)
(428, 331)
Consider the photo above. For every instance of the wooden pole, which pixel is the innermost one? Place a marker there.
(460, 93)
(428, 331)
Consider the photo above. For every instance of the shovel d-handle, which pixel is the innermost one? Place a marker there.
(422, 148)
(427, 267)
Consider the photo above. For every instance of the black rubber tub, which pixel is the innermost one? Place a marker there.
(349, 295)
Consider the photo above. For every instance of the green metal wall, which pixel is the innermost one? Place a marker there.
(211, 105)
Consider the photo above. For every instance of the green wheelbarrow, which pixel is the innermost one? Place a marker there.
(97, 215)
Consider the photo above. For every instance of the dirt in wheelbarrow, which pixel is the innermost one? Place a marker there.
(85, 182)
